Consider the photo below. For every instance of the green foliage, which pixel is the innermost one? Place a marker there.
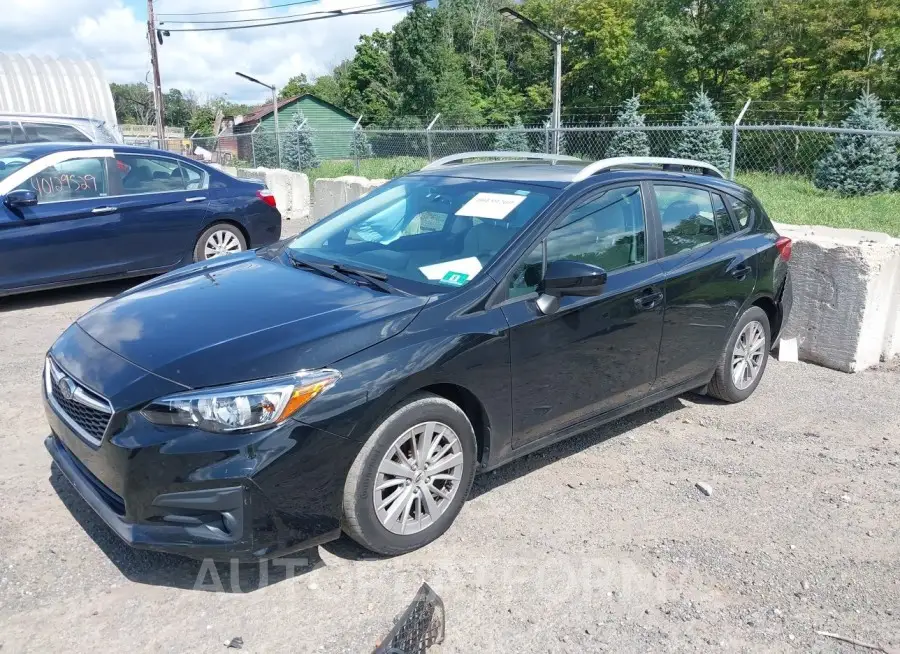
(202, 122)
(703, 145)
(794, 200)
(858, 164)
(297, 85)
(360, 148)
(133, 103)
(265, 150)
(298, 152)
(368, 82)
(629, 142)
(513, 138)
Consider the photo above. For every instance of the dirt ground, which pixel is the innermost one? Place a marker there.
(601, 543)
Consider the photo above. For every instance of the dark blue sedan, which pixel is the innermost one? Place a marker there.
(76, 213)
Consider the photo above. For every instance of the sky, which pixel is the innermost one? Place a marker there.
(113, 32)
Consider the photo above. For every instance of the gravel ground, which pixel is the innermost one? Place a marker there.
(603, 542)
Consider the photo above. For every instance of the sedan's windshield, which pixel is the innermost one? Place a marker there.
(10, 163)
(437, 230)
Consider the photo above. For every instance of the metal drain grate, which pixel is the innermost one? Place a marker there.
(420, 626)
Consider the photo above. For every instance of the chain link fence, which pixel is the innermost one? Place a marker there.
(781, 149)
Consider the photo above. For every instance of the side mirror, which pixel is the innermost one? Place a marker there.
(572, 278)
(21, 198)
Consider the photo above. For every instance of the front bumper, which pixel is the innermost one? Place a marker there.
(181, 491)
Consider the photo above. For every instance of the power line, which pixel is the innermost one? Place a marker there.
(239, 11)
(304, 18)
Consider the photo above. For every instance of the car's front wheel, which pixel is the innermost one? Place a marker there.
(217, 240)
(744, 360)
(411, 478)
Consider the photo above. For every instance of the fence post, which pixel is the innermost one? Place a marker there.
(353, 144)
(253, 143)
(428, 135)
(546, 138)
(734, 136)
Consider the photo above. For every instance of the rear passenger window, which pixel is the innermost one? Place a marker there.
(723, 220)
(742, 211)
(688, 220)
(142, 174)
(47, 132)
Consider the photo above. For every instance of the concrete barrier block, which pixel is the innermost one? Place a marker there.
(332, 194)
(291, 190)
(846, 284)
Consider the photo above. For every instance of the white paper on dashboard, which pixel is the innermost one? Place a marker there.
(469, 266)
(495, 206)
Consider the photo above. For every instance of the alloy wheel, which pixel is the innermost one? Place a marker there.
(221, 242)
(418, 478)
(747, 358)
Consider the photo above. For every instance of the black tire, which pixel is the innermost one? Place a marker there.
(722, 385)
(360, 521)
(199, 254)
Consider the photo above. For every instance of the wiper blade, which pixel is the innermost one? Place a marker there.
(341, 273)
(376, 279)
(328, 271)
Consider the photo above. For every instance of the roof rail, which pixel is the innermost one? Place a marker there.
(496, 154)
(667, 163)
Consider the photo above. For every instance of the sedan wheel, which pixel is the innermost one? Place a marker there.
(221, 242)
(418, 478)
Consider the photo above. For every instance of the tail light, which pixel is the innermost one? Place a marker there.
(267, 196)
(784, 245)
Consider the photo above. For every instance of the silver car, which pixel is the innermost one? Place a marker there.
(17, 128)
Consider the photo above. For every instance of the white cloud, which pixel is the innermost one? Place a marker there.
(114, 33)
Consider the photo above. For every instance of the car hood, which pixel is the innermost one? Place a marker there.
(244, 317)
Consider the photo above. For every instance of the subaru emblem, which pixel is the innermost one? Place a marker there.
(66, 388)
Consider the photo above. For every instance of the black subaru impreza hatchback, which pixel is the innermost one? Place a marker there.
(357, 376)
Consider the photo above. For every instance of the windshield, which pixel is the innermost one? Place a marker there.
(436, 230)
(10, 163)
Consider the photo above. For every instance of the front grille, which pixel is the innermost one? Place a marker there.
(83, 407)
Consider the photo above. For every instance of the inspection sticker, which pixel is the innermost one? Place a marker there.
(465, 269)
(495, 206)
(455, 278)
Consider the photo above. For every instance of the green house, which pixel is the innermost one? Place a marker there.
(331, 126)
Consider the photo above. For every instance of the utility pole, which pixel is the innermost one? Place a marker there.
(157, 85)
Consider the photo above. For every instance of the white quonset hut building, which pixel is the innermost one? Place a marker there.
(45, 85)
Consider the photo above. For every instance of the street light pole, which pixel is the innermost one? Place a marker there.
(556, 120)
(274, 90)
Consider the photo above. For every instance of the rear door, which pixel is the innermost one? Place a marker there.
(595, 353)
(66, 236)
(710, 273)
(163, 203)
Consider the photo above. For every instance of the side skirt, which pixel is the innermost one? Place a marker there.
(696, 383)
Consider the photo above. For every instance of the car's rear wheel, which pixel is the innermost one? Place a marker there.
(411, 478)
(217, 240)
(744, 360)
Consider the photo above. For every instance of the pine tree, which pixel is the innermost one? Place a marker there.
(629, 142)
(360, 148)
(265, 154)
(858, 164)
(298, 152)
(703, 145)
(512, 138)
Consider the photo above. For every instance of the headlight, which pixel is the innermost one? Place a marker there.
(242, 407)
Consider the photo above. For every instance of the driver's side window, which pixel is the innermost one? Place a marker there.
(606, 230)
(75, 179)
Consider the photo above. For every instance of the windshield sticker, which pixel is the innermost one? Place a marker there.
(495, 206)
(455, 278)
(468, 267)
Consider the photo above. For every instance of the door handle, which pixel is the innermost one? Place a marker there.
(196, 198)
(103, 210)
(648, 300)
(741, 272)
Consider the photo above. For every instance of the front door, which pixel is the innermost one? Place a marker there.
(595, 353)
(710, 273)
(66, 235)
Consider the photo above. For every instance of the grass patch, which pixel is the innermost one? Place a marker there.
(794, 200)
(382, 168)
